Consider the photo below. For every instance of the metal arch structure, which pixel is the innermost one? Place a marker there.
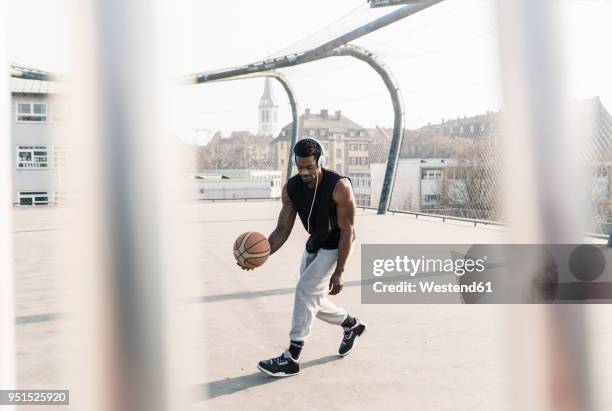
(338, 47)
(284, 81)
(385, 73)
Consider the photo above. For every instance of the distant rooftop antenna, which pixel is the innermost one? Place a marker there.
(385, 3)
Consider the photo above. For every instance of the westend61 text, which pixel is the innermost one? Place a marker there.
(432, 287)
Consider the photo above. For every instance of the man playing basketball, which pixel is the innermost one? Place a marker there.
(324, 201)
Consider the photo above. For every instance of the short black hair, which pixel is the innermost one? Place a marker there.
(307, 147)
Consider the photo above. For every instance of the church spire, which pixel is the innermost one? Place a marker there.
(268, 111)
(268, 95)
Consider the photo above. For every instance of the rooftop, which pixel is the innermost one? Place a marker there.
(335, 122)
(26, 86)
(441, 356)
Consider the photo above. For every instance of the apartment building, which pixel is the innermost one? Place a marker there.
(346, 144)
(38, 116)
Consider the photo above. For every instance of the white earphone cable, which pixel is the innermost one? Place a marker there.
(314, 197)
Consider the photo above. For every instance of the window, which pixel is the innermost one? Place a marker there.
(428, 198)
(339, 153)
(602, 171)
(353, 161)
(339, 168)
(363, 161)
(31, 112)
(32, 157)
(354, 147)
(311, 132)
(362, 133)
(431, 174)
(33, 197)
(364, 147)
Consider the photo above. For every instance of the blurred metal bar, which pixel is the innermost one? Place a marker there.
(552, 364)
(7, 292)
(384, 72)
(128, 101)
(292, 100)
(120, 229)
(313, 54)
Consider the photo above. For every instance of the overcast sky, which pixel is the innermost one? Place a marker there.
(444, 58)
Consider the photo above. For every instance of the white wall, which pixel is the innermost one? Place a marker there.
(236, 189)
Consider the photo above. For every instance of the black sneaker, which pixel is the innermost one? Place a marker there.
(281, 366)
(350, 338)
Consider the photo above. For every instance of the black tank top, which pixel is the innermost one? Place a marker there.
(324, 231)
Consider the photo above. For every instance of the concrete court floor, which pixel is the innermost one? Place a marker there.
(413, 357)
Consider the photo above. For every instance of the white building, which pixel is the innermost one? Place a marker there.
(418, 183)
(38, 115)
(236, 184)
(268, 112)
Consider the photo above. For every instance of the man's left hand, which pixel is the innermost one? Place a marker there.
(335, 283)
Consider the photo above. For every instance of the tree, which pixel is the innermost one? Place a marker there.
(471, 187)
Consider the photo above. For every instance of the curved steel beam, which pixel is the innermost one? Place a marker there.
(284, 81)
(381, 68)
(315, 53)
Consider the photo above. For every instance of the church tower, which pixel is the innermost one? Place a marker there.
(268, 112)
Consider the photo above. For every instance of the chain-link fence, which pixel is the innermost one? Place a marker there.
(451, 169)
(454, 168)
(597, 159)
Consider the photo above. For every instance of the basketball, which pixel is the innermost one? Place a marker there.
(251, 249)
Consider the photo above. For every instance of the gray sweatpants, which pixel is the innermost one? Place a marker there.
(311, 294)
